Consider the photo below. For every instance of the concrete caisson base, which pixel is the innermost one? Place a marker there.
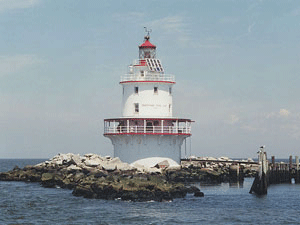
(130, 148)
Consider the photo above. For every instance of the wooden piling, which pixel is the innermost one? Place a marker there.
(260, 184)
(291, 162)
(297, 178)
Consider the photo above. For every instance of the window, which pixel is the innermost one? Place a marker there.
(136, 90)
(136, 107)
(155, 90)
(170, 107)
(170, 90)
(149, 127)
(142, 73)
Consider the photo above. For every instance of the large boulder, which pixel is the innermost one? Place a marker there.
(93, 162)
(76, 160)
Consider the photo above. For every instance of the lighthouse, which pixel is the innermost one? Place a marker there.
(147, 127)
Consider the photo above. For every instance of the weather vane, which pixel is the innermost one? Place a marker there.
(148, 32)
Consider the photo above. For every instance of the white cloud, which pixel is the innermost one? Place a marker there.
(295, 12)
(129, 16)
(11, 64)
(17, 4)
(234, 119)
(250, 27)
(284, 112)
(228, 20)
(174, 26)
(249, 31)
(282, 123)
(280, 114)
(169, 24)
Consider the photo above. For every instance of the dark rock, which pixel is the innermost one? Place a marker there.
(84, 191)
(48, 180)
(192, 189)
(199, 194)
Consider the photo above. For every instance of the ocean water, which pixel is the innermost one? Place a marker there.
(29, 203)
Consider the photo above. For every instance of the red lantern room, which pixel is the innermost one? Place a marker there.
(147, 50)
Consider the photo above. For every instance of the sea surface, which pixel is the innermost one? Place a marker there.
(29, 203)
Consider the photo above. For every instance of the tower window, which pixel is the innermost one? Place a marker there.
(170, 90)
(142, 73)
(136, 107)
(136, 90)
(155, 90)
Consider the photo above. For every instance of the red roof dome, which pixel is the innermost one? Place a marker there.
(147, 43)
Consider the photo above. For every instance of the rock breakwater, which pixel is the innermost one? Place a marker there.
(93, 176)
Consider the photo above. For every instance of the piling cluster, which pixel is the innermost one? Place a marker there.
(280, 173)
(274, 173)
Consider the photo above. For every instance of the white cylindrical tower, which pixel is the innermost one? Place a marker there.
(147, 127)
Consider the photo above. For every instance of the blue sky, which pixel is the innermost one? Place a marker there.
(236, 65)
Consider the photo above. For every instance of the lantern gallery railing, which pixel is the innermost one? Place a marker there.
(148, 77)
(148, 130)
(158, 126)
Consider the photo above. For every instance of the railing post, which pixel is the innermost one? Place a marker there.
(127, 126)
(144, 126)
(186, 127)
(162, 126)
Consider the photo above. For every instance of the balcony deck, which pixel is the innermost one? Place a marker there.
(136, 126)
(167, 78)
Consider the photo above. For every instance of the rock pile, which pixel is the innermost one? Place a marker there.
(93, 176)
(213, 170)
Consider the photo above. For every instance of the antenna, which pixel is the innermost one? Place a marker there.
(147, 37)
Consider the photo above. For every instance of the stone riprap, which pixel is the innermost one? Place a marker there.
(93, 176)
(213, 170)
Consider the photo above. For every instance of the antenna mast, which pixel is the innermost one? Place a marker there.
(147, 37)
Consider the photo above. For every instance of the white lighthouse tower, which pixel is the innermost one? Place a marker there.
(147, 127)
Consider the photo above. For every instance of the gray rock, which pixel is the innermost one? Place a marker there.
(73, 168)
(93, 162)
(109, 167)
(76, 160)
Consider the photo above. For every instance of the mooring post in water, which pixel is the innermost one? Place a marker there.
(272, 172)
(260, 184)
(290, 170)
(291, 162)
(297, 181)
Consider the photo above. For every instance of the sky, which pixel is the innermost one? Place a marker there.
(236, 64)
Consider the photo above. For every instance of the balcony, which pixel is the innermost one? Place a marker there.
(155, 77)
(147, 126)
